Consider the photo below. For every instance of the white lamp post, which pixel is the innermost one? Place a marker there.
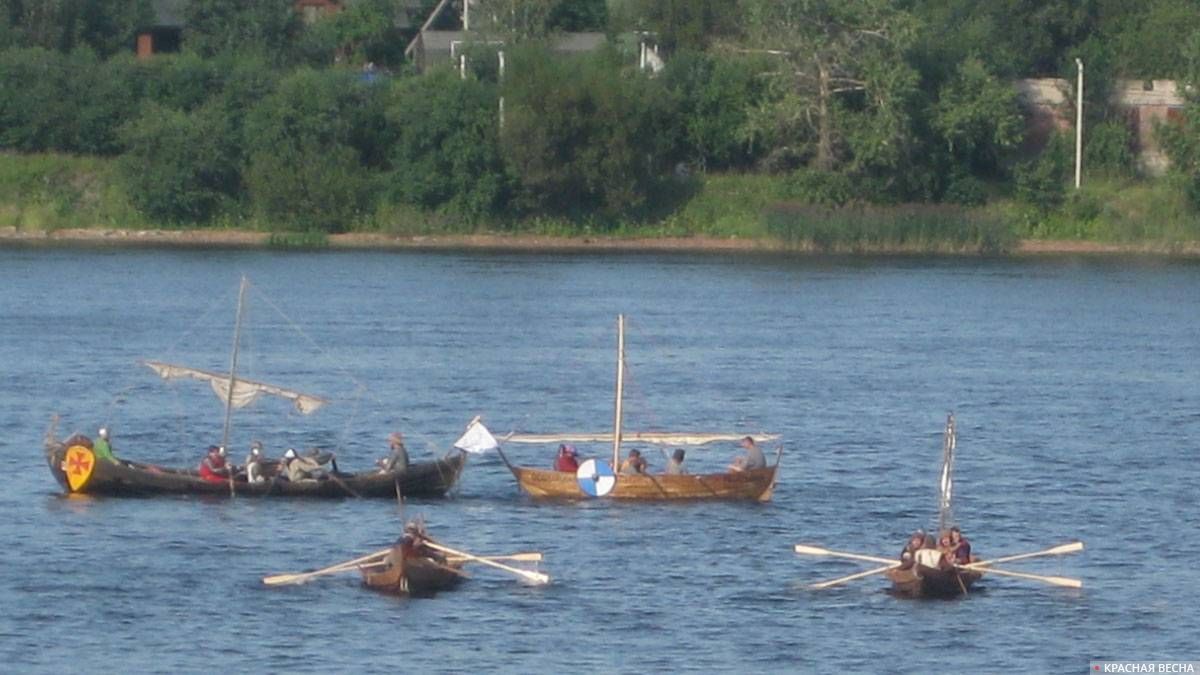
(1079, 126)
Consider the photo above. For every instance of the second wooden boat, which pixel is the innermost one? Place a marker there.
(753, 485)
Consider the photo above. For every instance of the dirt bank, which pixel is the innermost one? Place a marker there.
(365, 240)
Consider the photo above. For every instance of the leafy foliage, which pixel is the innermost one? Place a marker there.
(180, 167)
(580, 135)
(446, 153)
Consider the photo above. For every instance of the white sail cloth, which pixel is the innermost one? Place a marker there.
(654, 437)
(244, 393)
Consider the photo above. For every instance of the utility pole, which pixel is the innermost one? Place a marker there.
(1079, 126)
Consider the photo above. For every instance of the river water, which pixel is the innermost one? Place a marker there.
(1075, 383)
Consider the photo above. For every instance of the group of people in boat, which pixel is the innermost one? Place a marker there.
(293, 466)
(949, 550)
(567, 460)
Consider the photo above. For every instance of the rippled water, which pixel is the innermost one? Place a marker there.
(1076, 384)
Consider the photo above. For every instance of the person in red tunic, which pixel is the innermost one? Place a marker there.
(567, 459)
(213, 467)
(960, 551)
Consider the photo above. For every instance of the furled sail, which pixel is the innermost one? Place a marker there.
(245, 392)
(946, 487)
(654, 437)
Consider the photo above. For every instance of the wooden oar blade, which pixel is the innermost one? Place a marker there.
(805, 549)
(1065, 582)
(852, 577)
(346, 566)
(1064, 549)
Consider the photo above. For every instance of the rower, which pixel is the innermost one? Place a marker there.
(303, 467)
(753, 459)
(397, 459)
(929, 555)
(675, 464)
(567, 460)
(634, 463)
(960, 552)
(213, 467)
(914, 544)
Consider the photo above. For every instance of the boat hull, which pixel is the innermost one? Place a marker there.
(754, 485)
(133, 479)
(928, 582)
(422, 576)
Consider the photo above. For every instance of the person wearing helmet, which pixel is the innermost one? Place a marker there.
(254, 463)
(101, 447)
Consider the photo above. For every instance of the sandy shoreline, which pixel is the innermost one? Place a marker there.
(524, 242)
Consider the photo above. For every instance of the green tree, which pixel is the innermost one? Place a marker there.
(180, 167)
(581, 134)
(265, 27)
(841, 88)
(106, 27)
(680, 24)
(978, 118)
(446, 153)
(307, 155)
(711, 96)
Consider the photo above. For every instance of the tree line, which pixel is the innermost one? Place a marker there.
(847, 101)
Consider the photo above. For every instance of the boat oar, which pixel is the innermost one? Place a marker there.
(301, 577)
(1057, 550)
(518, 557)
(1057, 581)
(852, 577)
(814, 550)
(535, 577)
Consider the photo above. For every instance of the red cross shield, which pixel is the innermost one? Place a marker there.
(78, 465)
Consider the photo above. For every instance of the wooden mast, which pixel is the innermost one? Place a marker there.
(620, 391)
(233, 359)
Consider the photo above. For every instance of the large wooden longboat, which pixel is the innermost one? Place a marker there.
(749, 485)
(79, 471)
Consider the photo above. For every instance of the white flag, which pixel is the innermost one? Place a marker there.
(477, 439)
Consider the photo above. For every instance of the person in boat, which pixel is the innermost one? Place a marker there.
(567, 459)
(960, 551)
(213, 467)
(254, 463)
(944, 544)
(397, 459)
(101, 447)
(908, 555)
(675, 464)
(753, 459)
(929, 555)
(634, 463)
(298, 468)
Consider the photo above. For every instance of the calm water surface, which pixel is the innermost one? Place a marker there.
(1076, 385)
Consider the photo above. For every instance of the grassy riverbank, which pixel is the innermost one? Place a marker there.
(57, 196)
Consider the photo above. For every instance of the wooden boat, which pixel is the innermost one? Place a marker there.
(418, 576)
(920, 581)
(752, 485)
(77, 469)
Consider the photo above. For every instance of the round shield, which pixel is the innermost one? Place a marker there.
(78, 464)
(596, 478)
